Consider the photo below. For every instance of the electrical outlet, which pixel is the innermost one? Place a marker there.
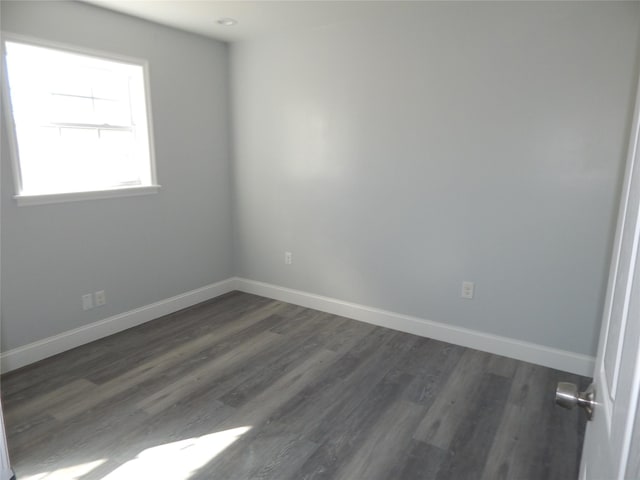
(467, 290)
(100, 298)
(288, 258)
(87, 301)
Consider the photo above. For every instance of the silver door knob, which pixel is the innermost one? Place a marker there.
(567, 396)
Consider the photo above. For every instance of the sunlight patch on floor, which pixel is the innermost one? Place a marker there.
(74, 472)
(177, 460)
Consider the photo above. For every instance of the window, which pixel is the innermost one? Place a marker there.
(81, 124)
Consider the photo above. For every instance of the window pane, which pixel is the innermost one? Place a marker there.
(112, 112)
(80, 121)
(117, 147)
(66, 109)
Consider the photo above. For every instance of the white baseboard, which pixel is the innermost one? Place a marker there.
(508, 347)
(33, 352)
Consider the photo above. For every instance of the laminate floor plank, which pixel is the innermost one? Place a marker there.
(268, 428)
(175, 333)
(286, 461)
(154, 368)
(196, 376)
(299, 344)
(297, 315)
(192, 421)
(345, 436)
(87, 438)
(262, 457)
(450, 407)
(328, 399)
(35, 380)
(348, 396)
(385, 443)
(26, 431)
(431, 363)
(244, 387)
(44, 403)
(237, 383)
(421, 461)
(108, 353)
(530, 430)
(503, 366)
(347, 332)
(468, 448)
(244, 367)
(513, 451)
(260, 407)
(254, 413)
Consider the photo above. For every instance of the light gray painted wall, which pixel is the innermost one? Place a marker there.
(394, 158)
(398, 157)
(633, 466)
(139, 249)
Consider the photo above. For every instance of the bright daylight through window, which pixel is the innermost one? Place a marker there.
(81, 123)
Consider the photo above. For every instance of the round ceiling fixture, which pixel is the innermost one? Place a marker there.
(227, 21)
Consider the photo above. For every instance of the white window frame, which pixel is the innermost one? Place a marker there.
(40, 199)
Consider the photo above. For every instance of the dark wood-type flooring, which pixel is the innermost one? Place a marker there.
(244, 387)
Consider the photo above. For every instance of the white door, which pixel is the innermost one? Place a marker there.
(610, 448)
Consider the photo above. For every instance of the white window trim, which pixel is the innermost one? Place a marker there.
(25, 200)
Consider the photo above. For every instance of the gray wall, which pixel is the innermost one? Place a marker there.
(139, 249)
(397, 157)
(633, 467)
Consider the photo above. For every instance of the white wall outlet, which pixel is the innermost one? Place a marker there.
(467, 289)
(100, 298)
(87, 301)
(288, 258)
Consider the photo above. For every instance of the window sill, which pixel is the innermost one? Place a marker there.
(27, 200)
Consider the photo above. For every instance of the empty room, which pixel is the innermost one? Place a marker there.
(293, 240)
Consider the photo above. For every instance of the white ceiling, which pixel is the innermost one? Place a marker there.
(255, 18)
